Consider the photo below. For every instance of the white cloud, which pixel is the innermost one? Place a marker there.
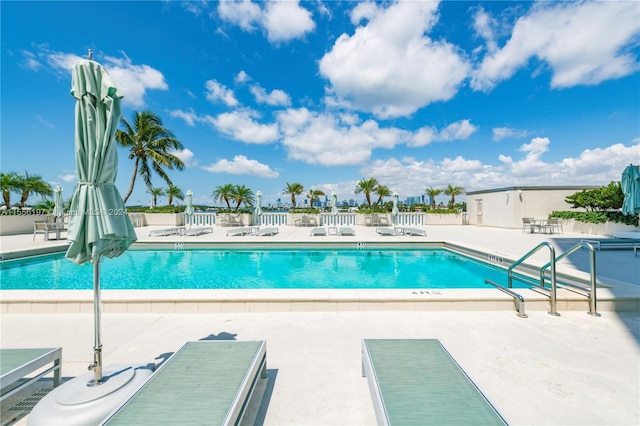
(321, 138)
(389, 66)
(241, 165)
(280, 20)
(241, 77)
(458, 130)
(70, 177)
(275, 98)
(133, 81)
(592, 167)
(584, 43)
(31, 61)
(218, 92)
(500, 133)
(186, 155)
(190, 117)
(241, 126)
(243, 13)
(286, 20)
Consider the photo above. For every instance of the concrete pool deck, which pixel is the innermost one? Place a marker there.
(572, 369)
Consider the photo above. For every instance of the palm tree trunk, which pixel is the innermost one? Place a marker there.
(133, 182)
(6, 195)
(23, 199)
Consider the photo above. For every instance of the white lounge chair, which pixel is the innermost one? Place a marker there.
(387, 232)
(17, 364)
(318, 231)
(416, 381)
(198, 231)
(241, 232)
(176, 230)
(205, 382)
(412, 231)
(267, 232)
(347, 231)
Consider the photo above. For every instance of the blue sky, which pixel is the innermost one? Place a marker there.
(416, 94)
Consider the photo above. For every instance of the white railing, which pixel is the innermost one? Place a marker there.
(341, 219)
(271, 219)
(200, 219)
(137, 219)
(405, 219)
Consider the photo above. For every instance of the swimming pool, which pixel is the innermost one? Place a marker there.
(164, 269)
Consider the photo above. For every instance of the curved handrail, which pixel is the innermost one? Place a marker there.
(592, 263)
(552, 262)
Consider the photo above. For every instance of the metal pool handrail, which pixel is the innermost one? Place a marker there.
(592, 264)
(552, 262)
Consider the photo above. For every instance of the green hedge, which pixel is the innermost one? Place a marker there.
(597, 217)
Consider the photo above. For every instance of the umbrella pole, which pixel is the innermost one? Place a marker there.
(97, 347)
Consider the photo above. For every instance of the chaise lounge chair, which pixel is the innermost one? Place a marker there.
(241, 232)
(416, 381)
(198, 231)
(205, 382)
(318, 231)
(412, 231)
(17, 364)
(347, 231)
(176, 230)
(386, 232)
(266, 232)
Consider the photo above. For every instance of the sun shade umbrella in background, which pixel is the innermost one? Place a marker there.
(98, 227)
(58, 211)
(334, 206)
(394, 210)
(188, 211)
(258, 210)
(631, 189)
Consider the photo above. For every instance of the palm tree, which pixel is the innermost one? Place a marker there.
(8, 184)
(155, 192)
(32, 184)
(150, 144)
(453, 191)
(293, 189)
(382, 191)
(224, 193)
(314, 194)
(242, 194)
(174, 192)
(432, 193)
(367, 186)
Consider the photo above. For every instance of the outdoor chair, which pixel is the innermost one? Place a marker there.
(528, 224)
(554, 225)
(197, 231)
(416, 381)
(205, 382)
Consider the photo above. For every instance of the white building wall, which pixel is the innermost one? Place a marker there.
(505, 207)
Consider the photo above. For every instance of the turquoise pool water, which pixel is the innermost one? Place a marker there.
(256, 269)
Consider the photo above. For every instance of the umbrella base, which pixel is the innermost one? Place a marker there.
(75, 403)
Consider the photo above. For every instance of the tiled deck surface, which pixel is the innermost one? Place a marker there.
(572, 369)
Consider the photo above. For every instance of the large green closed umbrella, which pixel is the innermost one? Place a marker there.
(58, 210)
(631, 188)
(99, 225)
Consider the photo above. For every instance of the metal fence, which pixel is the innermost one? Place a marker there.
(341, 219)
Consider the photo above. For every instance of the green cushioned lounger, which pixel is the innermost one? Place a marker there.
(417, 382)
(16, 364)
(205, 382)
